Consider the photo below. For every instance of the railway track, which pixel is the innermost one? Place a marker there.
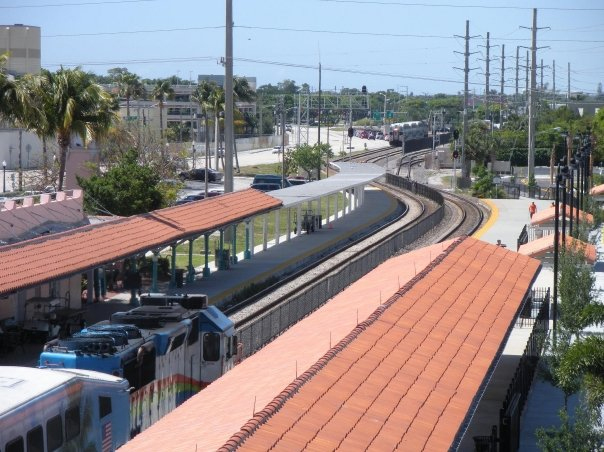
(431, 216)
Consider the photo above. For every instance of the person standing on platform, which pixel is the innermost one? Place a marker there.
(532, 209)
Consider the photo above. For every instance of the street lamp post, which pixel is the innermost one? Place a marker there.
(572, 166)
(564, 171)
(3, 176)
(556, 250)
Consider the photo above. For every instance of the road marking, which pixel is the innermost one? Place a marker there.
(490, 222)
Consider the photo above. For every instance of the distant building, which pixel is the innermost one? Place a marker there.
(180, 111)
(22, 42)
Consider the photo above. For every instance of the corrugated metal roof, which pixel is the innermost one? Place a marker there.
(350, 175)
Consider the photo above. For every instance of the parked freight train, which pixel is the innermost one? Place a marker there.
(406, 131)
(62, 409)
(168, 349)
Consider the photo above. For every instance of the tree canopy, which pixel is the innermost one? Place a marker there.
(125, 189)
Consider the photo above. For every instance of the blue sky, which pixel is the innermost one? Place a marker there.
(389, 44)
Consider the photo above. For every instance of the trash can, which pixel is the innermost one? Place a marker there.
(179, 276)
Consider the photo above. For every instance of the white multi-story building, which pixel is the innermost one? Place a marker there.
(22, 43)
(180, 112)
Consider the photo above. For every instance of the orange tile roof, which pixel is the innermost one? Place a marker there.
(539, 247)
(59, 255)
(597, 190)
(255, 382)
(407, 376)
(549, 215)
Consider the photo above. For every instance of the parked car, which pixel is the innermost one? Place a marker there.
(296, 180)
(199, 174)
(364, 134)
(270, 179)
(263, 186)
(276, 149)
(379, 136)
(189, 198)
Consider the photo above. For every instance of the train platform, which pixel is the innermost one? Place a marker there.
(508, 217)
(276, 260)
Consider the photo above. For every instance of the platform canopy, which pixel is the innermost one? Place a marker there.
(349, 175)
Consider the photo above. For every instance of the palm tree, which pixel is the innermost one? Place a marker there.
(242, 90)
(41, 118)
(203, 96)
(80, 107)
(161, 91)
(17, 106)
(217, 102)
(130, 86)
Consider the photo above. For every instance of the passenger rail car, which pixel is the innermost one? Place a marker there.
(62, 409)
(169, 348)
(406, 131)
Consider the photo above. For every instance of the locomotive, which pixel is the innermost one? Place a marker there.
(168, 349)
(406, 131)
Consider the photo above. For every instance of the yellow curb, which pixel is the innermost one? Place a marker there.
(490, 222)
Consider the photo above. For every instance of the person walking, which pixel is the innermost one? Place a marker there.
(532, 209)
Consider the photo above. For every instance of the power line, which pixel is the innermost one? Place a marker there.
(109, 33)
(307, 30)
(52, 5)
(449, 5)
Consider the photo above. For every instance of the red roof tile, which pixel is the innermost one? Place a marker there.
(539, 247)
(385, 399)
(258, 379)
(549, 215)
(59, 255)
(597, 190)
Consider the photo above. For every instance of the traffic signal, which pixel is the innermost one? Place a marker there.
(455, 154)
(350, 132)
(455, 134)
(364, 89)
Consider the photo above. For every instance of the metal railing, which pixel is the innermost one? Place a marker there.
(536, 310)
(271, 324)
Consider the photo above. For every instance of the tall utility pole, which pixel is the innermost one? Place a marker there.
(319, 112)
(527, 69)
(532, 92)
(532, 100)
(228, 100)
(517, 68)
(568, 89)
(465, 173)
(502, 82)
(487, 77)
(554, 85)
(319, 121)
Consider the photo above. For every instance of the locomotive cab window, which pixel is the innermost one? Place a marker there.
(176, 342)
(104, 406)
(194, 333)
(35, 439)
(15, 445)
(54, 433)
(211, 347)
